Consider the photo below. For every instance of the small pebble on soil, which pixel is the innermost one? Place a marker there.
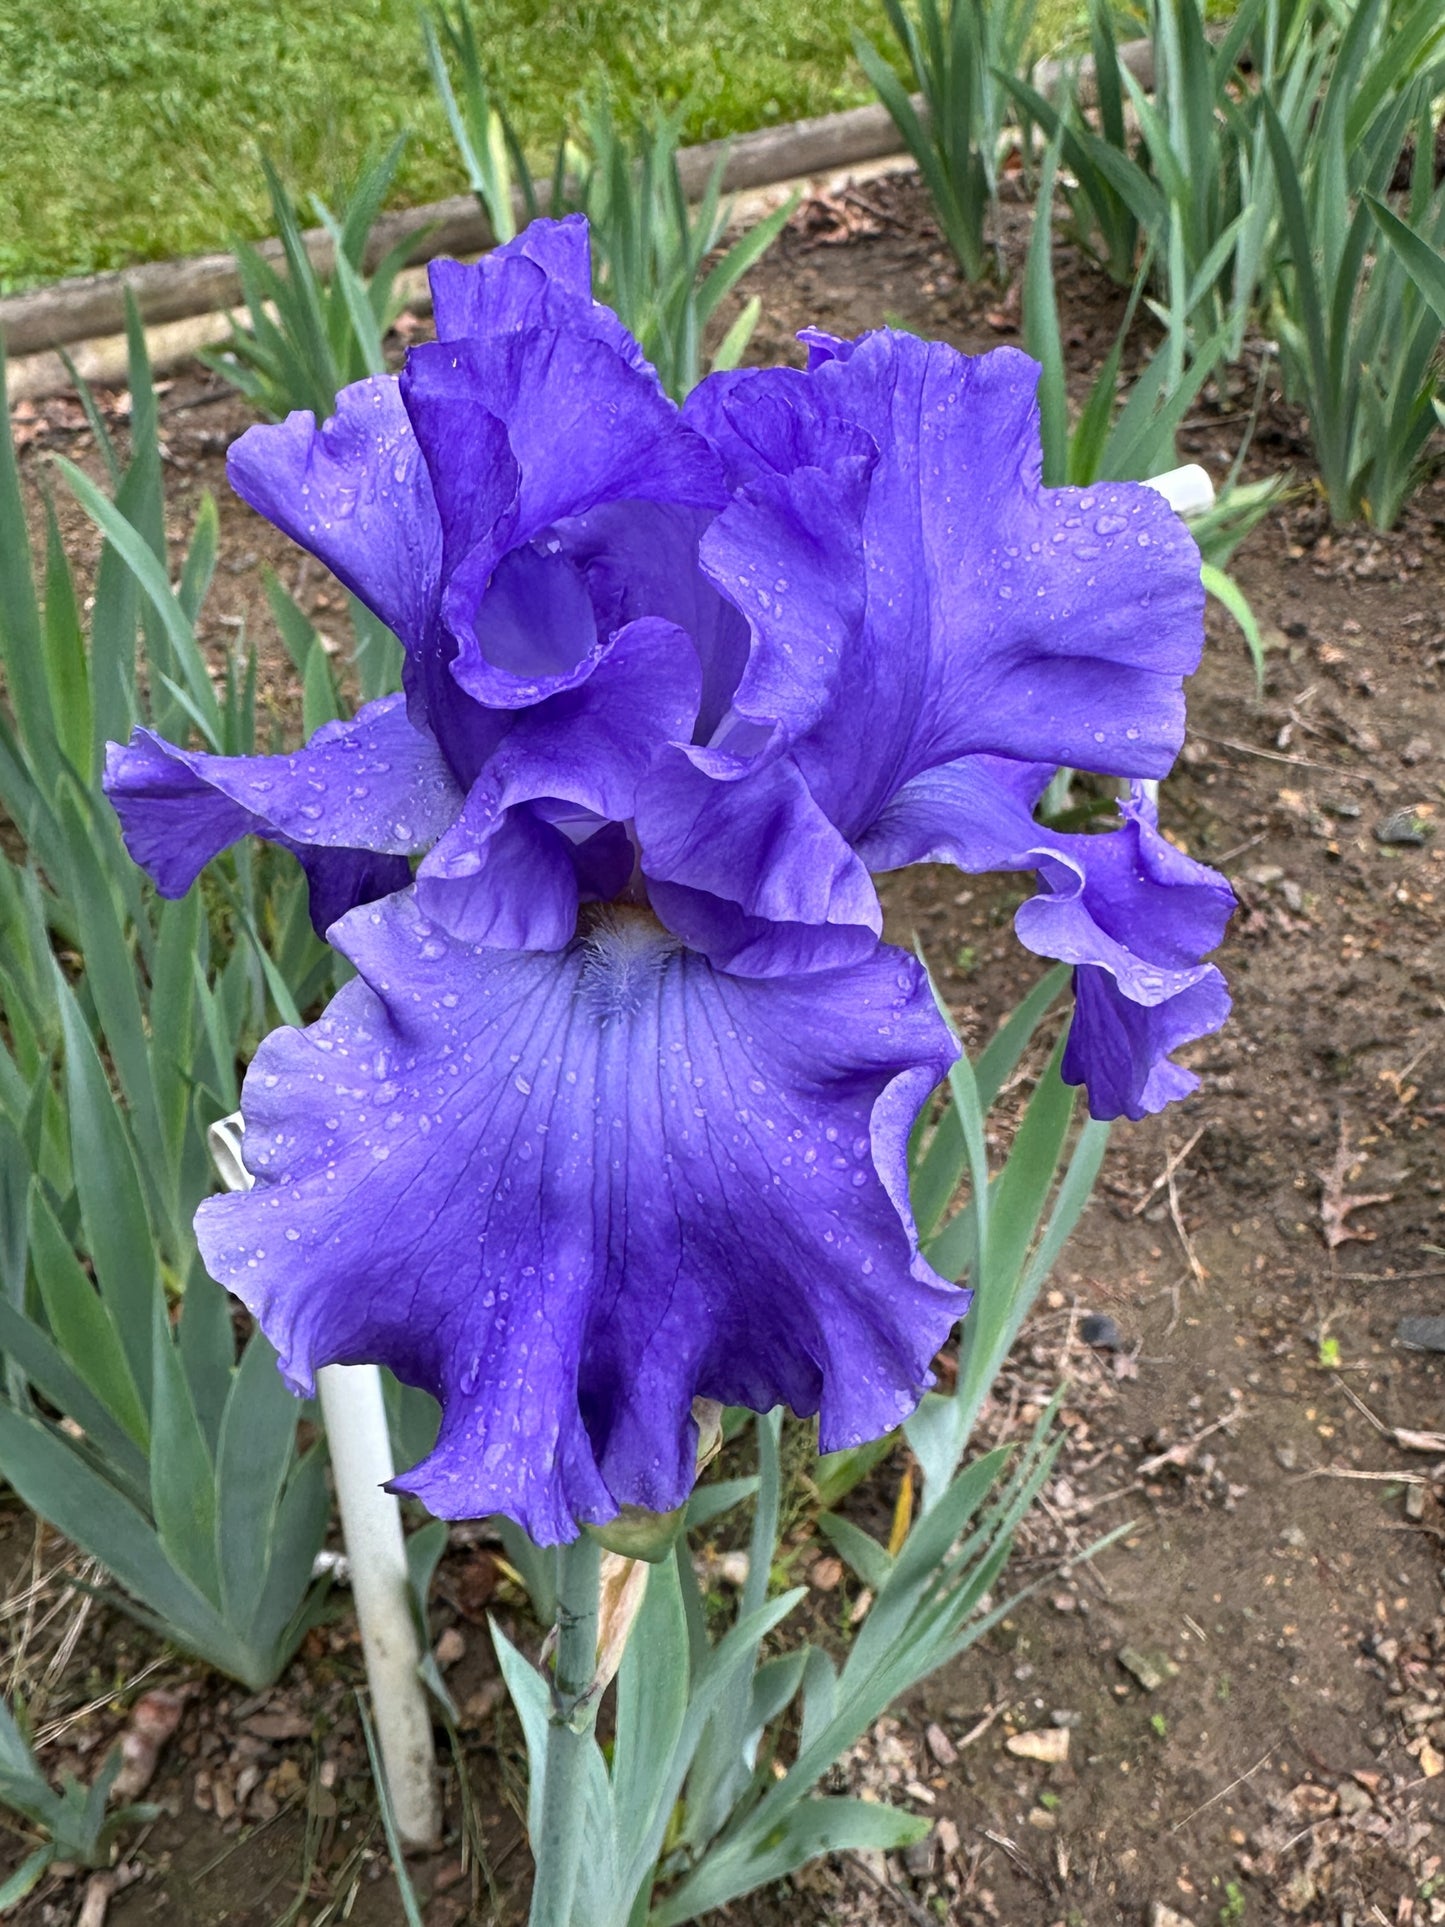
(1422, 1333)
(1100, 1331)
(1406, 828)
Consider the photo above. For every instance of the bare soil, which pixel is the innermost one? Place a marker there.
(1253, 1678)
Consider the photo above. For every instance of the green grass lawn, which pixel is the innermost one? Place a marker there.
(129, 129)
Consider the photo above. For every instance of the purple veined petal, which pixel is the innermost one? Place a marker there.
(341, 880)
(588, 747)
(1130, 903)
(641, 559)
(501, 877)
(1048, 625)
(483, 500)
(976, 813)
(790, 554)
(543, 279)
(536, 623)
(1152, 898)
(1120, 1050)
(752, 946)
(583, 428)
(822, 346)
(763, 428)
(372, 788)
(751, 872)
(570, 1193)
(1133, 914)
(356, 494)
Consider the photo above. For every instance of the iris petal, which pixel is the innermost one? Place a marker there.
(354, 492)
(583, 428)
(501, 877)
(596, 1185)
(374, 788)
(1135, 915)
(641, 559)
(543, 278)
(536, 620)
(588, 747)
(1001, 617)
(752, 872)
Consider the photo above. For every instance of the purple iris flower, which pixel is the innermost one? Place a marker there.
(615, 1113)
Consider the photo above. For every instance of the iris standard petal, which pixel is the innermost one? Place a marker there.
(372, 785)
(543, 279)
(583, 429)
(570, 1193)
(790, 553)
(355, 492)
(1001, 617)
(641, 559)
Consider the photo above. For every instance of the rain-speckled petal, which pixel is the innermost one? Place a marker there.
(504, 874)
(542, 279)
(583, 429)
(569, 1193)
(1133, 914)
(375, 785)
(964, 608)
(354, 492)
(751, 872)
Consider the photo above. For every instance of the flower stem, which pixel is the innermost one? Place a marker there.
(558, 1846)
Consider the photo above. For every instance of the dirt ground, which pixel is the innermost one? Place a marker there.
(1252, 1681)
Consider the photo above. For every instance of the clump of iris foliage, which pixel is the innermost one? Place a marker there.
(1234, 199)
(74, 1823)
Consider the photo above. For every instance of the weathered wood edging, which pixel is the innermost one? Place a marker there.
(167, 292)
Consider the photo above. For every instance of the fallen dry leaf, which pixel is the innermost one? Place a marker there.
(829, 220)
(285, 1723)
(1312, 1802)
(1336, 1204)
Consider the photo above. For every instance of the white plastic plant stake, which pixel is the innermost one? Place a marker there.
(361, 1461)
(1188, 491)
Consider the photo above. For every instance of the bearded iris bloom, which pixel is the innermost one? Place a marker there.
(615, 1113)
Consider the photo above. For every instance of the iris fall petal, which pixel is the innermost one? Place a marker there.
(596, 1185)
(373, 787)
